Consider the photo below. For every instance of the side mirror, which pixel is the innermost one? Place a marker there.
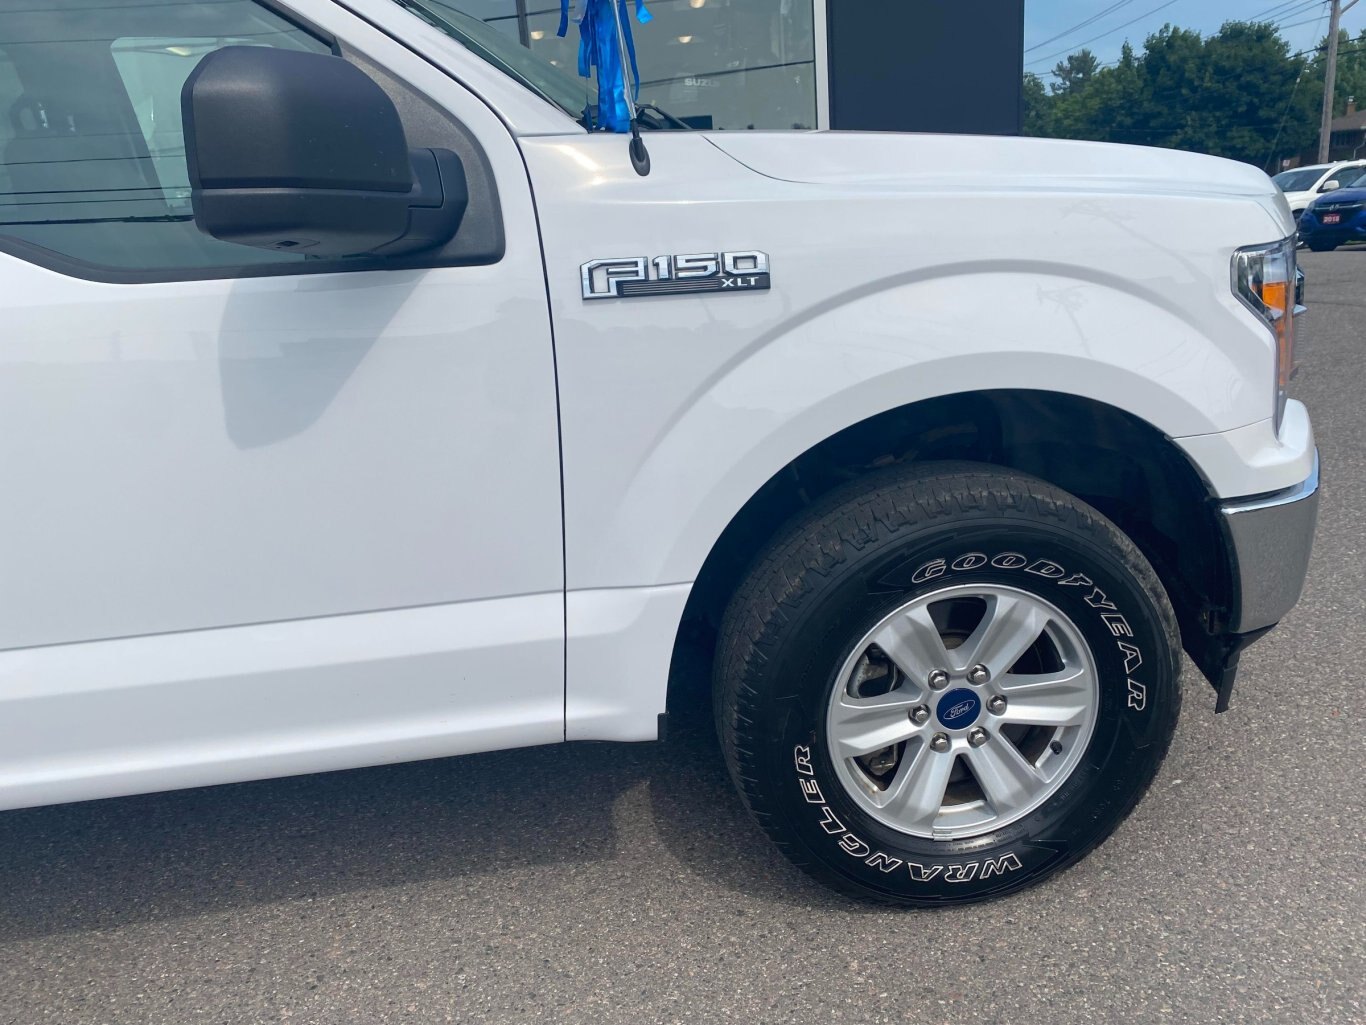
(303, 151)
(1330, 186)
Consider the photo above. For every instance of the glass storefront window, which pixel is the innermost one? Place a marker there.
(725, 64)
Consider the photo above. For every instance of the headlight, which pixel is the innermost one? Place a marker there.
(1267, 280)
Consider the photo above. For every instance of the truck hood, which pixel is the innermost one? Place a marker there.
(960, 162)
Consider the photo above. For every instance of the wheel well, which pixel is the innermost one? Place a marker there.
(1119, 464)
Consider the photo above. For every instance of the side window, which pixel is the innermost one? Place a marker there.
(92, 150)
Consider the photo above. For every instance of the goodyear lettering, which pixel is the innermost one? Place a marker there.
(1132, 657)
(854, 847)
(1119, 626)
(929, 571)
(1138, 696)
(1096, 598)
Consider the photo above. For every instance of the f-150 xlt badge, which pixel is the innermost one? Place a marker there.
(697, 273)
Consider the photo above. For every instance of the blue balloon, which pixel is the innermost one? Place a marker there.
(600, 49)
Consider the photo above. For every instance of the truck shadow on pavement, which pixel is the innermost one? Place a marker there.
(106, 864)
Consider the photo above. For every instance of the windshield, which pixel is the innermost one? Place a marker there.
(572, 94)
(1299, 180)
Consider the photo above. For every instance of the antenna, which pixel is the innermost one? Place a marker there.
(640, 156)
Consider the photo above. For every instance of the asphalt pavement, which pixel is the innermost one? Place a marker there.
(624, 884)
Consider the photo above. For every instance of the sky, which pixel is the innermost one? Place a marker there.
(1304, 23)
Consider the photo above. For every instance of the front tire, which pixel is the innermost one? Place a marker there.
(946, 683)
(1322, 247)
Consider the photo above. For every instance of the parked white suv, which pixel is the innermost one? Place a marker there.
(1303, 185)
(357, 404)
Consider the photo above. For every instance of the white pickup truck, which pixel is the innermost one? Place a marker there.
(358, 404)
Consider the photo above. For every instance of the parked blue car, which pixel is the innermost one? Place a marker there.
(1336, 217)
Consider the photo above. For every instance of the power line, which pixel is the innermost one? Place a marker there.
(1357, 46)
(1292, 12)
(1352, 44)
(1073, 49)
(1297, 24)
(1273, 10)
(1281, 18)
(1081, 25)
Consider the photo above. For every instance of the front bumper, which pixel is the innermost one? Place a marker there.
(1351, 229)
(1333, 238)
(1270, 538)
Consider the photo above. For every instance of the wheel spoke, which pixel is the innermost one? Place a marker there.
(1047, 699)
(912, 642)
(1006, 777)
(916, 793)
(860, 726)
(1012, 624)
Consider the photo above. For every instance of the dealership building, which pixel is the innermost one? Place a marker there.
(902, 65)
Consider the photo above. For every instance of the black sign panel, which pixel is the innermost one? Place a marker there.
(927, 66)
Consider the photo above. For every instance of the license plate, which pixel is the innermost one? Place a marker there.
(1332, 218)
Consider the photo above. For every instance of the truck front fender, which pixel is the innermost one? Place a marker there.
(979, 329)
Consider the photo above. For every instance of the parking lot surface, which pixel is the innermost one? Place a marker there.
(624, 884)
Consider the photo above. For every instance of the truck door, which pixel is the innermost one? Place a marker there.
(261, 514)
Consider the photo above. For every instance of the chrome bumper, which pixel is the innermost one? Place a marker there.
(1270, 538)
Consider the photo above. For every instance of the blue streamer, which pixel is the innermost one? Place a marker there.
(600, 49)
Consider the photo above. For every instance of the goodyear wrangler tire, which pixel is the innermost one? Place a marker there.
(945, 683)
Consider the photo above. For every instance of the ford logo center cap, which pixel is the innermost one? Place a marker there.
(959, 709)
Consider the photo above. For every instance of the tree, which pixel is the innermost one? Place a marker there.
(1108, 109)
(1172, 79)
(1239, 93)
(1250, 104)
(1037, 111)
(1074, 73)
(1351, 77)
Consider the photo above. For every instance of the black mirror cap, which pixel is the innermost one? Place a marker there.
(436, 206)
(294, 151)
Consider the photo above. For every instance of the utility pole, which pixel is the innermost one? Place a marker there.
(1330, 78)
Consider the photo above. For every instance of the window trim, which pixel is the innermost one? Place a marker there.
(86, 270)
(73, 267)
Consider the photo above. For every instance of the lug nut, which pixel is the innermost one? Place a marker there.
(939, 679)
(978, 736)
(939, 742)
(979, 674)
(920, 715)
(997, 705)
